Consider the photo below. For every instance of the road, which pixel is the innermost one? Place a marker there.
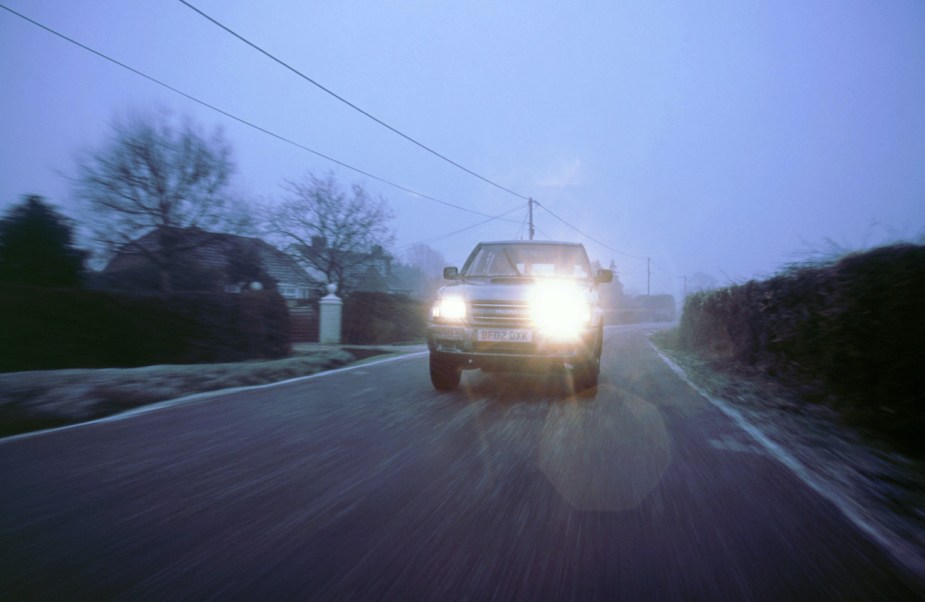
(367, 484)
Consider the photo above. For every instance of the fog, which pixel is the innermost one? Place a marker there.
(720, 140)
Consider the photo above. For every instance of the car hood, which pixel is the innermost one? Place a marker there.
(498, 289)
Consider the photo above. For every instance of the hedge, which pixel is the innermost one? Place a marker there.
(856, 326)
(42, 329)
(376, 318)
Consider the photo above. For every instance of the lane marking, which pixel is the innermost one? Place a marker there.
(905, 554)
(169, 403)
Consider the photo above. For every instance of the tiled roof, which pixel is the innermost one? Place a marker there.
(370, 272)
(213, 250)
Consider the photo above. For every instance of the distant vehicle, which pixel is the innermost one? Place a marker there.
(661, 316)
(518, 306)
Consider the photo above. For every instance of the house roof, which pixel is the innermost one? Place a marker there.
(363, 271)
(213, 250)
(346, 257)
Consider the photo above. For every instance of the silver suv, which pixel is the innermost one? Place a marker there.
(518, 306)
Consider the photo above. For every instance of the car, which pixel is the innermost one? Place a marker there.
(519, 306)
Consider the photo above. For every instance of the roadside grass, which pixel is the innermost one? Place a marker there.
(860, 464)
(754, 387)
(738, 382)
(44, 399)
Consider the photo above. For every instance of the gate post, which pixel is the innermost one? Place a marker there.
(330, 313)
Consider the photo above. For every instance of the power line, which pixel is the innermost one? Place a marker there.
(317, 153)
(500, 216)
(523, 225)
(589, 237)
(667, 272)
(541, 231)
(347, 102)
(244, 121)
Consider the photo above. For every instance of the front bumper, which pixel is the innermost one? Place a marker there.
(460, 345)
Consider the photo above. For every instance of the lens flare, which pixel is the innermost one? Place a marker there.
(559, 310)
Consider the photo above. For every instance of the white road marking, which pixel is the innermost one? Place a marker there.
(207, 394)
(854, 512)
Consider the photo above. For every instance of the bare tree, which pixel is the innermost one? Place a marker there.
(421, 270)
(328, 228)
(152, 180)
(430, 261)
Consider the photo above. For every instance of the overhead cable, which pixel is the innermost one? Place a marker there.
(248, 123)
(347, 102)
(659, 267)
(522, 227)
(500, 216)
(543, 232)
(589, 237)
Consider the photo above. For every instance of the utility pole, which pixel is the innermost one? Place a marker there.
(530, 205)
(648, 276)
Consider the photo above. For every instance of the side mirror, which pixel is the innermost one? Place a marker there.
(604, 276)
(451, 273)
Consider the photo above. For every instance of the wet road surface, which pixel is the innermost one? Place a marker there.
(368, 484)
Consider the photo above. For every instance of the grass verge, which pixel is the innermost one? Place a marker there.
(887, 486)
(37, 400)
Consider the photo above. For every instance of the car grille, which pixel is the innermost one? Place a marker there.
(500, 314)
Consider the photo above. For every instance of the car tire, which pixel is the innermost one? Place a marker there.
(444, 375)
(587, 374)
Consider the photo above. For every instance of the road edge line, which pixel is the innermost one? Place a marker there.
(169, 403)
(904, 554)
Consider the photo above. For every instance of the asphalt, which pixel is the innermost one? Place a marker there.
(364, 483)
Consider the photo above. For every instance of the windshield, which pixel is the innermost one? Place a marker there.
(528, 260)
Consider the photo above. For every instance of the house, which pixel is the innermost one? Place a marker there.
(212, 261)
(363, 272)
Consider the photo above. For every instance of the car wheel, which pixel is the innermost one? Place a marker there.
(587, 374)
(443, 374)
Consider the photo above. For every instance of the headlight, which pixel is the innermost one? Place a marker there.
(450, 309)
(559, 311)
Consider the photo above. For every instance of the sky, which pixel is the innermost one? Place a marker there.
(721, 138)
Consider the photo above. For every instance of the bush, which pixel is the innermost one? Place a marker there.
(44, 329)
(375, 318)
(855, 326)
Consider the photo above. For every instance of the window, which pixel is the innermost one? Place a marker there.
(290, 291)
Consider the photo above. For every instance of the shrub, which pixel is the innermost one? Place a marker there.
(43, 329)
(856, 326)
(374, 318)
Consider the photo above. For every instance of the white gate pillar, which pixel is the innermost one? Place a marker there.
(330, 314)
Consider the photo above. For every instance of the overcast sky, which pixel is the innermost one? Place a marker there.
(715, 137)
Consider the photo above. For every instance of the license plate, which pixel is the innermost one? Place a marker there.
(506, 335)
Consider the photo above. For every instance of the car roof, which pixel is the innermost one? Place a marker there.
(531, 242)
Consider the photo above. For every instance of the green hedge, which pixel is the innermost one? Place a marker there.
(856, 326)
(43, 329)
(376, 318)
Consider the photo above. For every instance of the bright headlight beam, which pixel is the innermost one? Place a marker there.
(559, 310)
(450, 308)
